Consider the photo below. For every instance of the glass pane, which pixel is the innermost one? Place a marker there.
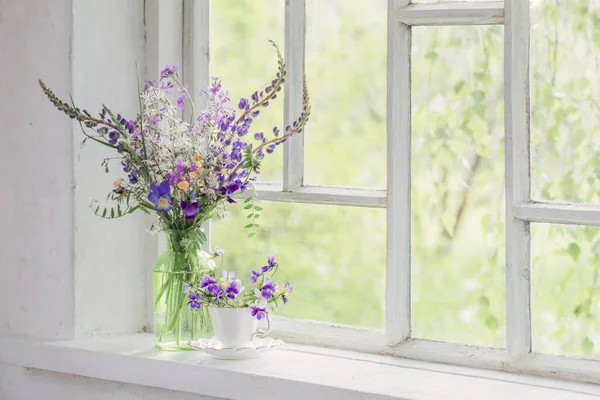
(346, 73)
(241, 55)
(565, 289)
(333, 256)
(565, 109)
(457, 185)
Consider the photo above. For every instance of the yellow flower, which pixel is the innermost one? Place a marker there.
(118, 182)
(193, 174)
(223, 171)
(183, 185)
(200, 169)
(196, 157)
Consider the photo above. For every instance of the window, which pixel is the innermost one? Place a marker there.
(479, 244)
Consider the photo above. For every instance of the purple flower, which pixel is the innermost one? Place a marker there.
(268, 288)
(207, 281)
(287, 292)
(214, 90)
(159, 196)
(112, 137)
(271, 148)
(168, 71)
(255, 96)
(243, 104)
(233, 289)
(270, 264)
(194, 303)
(258, 312)
(255, 275)
(211, 286)
(259, 136)
(189, 210)
(180, 101)
(171, 177)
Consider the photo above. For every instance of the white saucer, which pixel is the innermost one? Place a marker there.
(253, 350)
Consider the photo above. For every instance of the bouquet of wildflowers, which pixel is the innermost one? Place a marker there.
(226, 291)
(183, 170)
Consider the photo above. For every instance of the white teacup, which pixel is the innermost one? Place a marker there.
(236, 327)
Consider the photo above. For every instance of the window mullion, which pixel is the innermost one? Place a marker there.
(196, 34)
(398, 276)
(295, 34)
(518, 177)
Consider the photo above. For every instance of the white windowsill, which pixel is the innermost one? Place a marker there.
(293, 372)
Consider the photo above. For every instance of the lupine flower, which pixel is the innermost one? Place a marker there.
(159, 196)
(287, 291)
(194, 303)
(243, 104)
(168, 71)
(255, 275)
(234, 288)
(270, 264)
(189, 210)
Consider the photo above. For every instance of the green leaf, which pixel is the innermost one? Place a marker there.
(104, 213)
(484, 301)
(249, 206)
(257, 208)
(491, 322)
(574, 250)
(587, 345)
(579, 310)
(478, 95)
(251, 234)
(112, 212)
(249, 226)
(256, 215)
(249, 215)
(458, 86)
(248, 199)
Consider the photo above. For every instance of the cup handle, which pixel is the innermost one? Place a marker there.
(266, 332)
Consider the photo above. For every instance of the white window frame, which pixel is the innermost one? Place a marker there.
(521, 210)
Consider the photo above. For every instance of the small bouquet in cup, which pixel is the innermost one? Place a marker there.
(234, 309)
(220, 289)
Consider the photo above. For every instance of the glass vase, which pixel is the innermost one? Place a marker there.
(175, 323)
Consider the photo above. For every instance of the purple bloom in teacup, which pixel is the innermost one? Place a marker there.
(234, 288)
(194, 301)
(287, 291)
(270, 264)
(255, 275)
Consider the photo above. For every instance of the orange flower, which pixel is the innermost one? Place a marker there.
(183, 185)
(196, 157)
(118, 182)
(193, 174)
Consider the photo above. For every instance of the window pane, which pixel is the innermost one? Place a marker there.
(333, 256)
(565, 290)
(565, 57)
(346, 73)
(457, 185)
(241, 55)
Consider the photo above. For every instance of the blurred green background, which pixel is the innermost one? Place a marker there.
(335, 256)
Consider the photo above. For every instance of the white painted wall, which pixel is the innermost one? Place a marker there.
(111, 257)
(36, 165)
(64, 272)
